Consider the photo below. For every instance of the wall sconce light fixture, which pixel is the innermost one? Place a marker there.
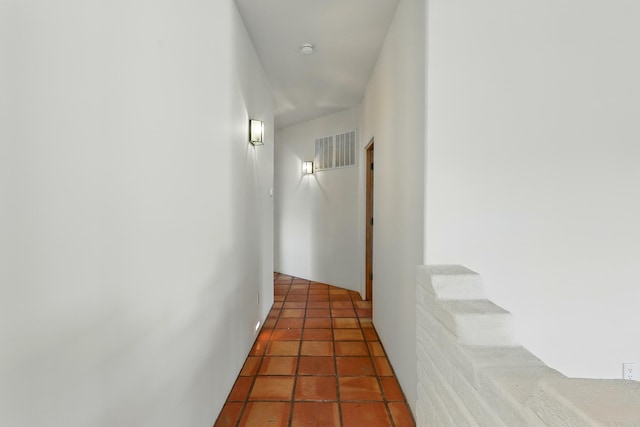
(307, 168)
(256, 132)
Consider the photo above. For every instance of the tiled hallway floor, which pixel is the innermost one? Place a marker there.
(317, 361)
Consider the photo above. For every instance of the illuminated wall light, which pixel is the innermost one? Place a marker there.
(256, 132)
(257, 327)
(307, 168)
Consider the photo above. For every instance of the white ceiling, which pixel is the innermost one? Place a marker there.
(347, 36)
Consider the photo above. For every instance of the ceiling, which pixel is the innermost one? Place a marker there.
(347, 36)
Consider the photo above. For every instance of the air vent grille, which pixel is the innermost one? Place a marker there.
(337, 151)
(324, 153)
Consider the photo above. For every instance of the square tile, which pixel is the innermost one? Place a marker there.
(273, 314)
(370, 334)
(366, 323)
(364, 312)
(317, 304)
(362, 304)
(359, 388)
(342, 304)
(317, 334)
(345, 322)
(383, 368)
(229, 415)
(295, 304)
(376, 348)
(316, 348)
(288, 313)
(349, 348)
(269, 323)
(291, 323)
(283, 348)
(272, 414)
(318, 312)
(343, 312)
(339, 297)
(258, 348)
(312, 414)
(401, 414)
(365, 414)
(319, 297)
(318, 285)
(295, 297)
(272, 388)
(317, 323)
(348, 335)
(265, 334)
(284, 365)
(316, 388)
(354, 366)
(391, 388)
(240, 389)
(282, 334)
(250, 367)
(316, 365)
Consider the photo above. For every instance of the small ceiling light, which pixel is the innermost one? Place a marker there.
(307, 168)
(306, 49)
(256, 132)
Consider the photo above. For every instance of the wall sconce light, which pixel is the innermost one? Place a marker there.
(256, 132)
(307, 168)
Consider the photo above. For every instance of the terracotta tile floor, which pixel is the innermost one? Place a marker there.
(317, 361)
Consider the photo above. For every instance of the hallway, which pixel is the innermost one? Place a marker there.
(317, 361)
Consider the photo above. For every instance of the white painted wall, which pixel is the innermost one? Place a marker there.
(533, 145)
(135, 222)
(317, 215)
(393, 113)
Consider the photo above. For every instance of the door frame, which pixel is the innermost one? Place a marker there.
(368, 277)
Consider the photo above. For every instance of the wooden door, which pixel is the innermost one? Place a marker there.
(369, 224)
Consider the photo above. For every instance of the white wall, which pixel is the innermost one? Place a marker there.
(316, 215)
(134, 216)
(393, 114)
(532, 173)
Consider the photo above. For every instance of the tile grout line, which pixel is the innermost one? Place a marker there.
(375, 371)
(254, 377)
(335, 359)
(295, 375)
(262, 357)
(394, 376)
